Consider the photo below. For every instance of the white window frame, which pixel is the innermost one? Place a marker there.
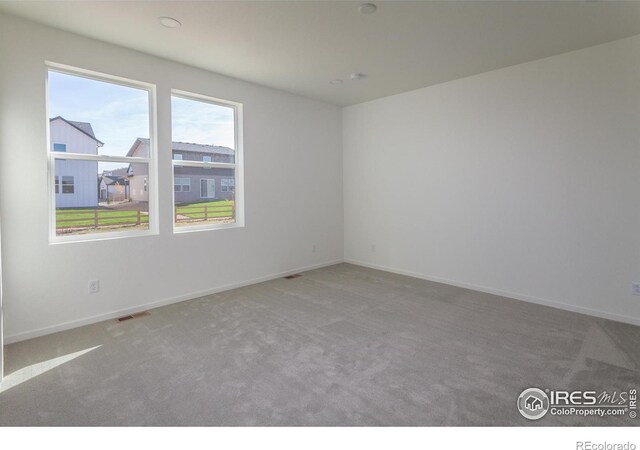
(214, 187)
(228, 185)
(237, 166)
(72, 184)
(150, 160)
(179, 181)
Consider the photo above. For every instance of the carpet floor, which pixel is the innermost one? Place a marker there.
(338, 346)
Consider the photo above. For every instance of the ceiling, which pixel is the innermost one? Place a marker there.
(301, 46)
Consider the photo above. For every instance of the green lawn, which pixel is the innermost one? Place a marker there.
(216, 209)
(76, 218)
(189, 212)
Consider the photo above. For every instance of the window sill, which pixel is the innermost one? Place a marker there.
(107, 236)
(195, 228)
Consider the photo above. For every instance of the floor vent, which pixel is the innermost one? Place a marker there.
(295, 275)
(133, 316)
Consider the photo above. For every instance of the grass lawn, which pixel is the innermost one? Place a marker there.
(76, 218)
(195, 211)
(188, 212)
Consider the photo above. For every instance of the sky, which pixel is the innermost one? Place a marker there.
(120, 114)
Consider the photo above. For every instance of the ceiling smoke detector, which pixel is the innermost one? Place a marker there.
(169, 22)
(367, 8)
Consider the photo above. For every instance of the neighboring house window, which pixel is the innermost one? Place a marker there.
(68, 185)
(227, 184)
(213, 127)
(182, 184)
(207, 188)
(81, 103)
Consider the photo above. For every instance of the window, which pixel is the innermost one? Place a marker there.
(182, 184)
(68, 185)
(227, 184)
(101, 155)
(207, 188)
(208, 132)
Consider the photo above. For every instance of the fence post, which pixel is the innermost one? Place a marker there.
(138, 221)
(206, 212)
(95, 218)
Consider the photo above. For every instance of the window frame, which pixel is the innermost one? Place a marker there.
(207, 185)
(151, 160)
(67, 184)
(237, 166)
(227, 186)
(182, 184)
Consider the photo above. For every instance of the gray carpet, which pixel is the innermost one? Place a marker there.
(343, 345)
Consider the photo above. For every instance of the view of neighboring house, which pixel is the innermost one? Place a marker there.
(75, 181)
(191, 184)
(113, 188)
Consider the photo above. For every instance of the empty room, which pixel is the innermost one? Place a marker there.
(320, 214)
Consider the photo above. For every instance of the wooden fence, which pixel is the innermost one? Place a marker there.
(102, 218)
(203, 213)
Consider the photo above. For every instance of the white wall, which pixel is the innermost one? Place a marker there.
(523, 181)
(293, 192)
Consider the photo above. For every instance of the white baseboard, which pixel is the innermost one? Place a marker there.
(168, 301)
(513, 295)
(190, 296)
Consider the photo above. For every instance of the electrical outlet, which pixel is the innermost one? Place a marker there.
(635, 288)
(373, 248)
(94, 286)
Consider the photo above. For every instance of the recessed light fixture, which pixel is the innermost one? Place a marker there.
(357, 76)
(336, 81)
(169, 22)
(367, 8)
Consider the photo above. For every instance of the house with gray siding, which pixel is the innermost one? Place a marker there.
(191, 184)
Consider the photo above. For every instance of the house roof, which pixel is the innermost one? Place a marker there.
(187, 147)
(109, 180)
(121, 172)
(84, 127)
